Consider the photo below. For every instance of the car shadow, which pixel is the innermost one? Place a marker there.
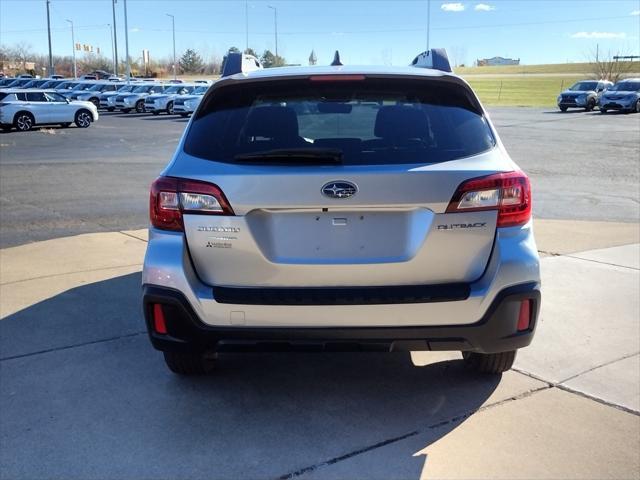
(84, 395)
(568, 112)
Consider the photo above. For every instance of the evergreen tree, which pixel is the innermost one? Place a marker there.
(190, 62)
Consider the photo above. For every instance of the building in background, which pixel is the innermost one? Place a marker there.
(494, 61)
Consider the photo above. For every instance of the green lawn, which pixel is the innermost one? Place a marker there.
(575, 68)
(522, 91)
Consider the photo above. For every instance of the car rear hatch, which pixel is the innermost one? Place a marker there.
(336, 184)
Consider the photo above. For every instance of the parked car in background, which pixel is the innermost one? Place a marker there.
(52, 83)
(164, 102)
(108, 99)
(78, 88)
(36, 83)
(18, 82)
(126, 102)
(66, 86)
(584, 94)
(185, 105)
(93, 94)
(624, 96)
(24, 109)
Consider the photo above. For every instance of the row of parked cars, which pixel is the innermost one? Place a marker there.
(26, 102)
(589, 94)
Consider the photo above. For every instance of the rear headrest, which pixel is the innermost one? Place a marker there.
(272, 122)
(400, 121)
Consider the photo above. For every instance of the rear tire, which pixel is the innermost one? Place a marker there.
(189, 363)
(140, 106)
(637, 107)
(563, 109)
(489, 362)
(170, 108)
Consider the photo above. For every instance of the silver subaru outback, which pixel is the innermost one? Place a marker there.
(341, 208)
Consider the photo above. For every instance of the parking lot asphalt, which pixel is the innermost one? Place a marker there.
(56, 182)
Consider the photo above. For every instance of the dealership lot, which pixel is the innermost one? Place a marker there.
(83, 395)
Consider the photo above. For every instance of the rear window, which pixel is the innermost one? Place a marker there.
(366, 122)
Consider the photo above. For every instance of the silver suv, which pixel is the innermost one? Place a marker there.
(341, 208)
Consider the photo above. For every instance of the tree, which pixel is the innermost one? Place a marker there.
(190, 62)
(251, 51)
(312, 58)
(269, 60)
(234, 50)
(605, 67)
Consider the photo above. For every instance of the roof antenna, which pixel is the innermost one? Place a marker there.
(336, 60)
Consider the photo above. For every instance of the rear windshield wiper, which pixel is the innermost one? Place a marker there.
(293, 155)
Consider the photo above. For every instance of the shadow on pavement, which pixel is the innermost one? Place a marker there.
(89, 407)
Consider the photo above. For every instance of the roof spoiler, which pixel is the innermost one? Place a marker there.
(236, 62)
(435, 58)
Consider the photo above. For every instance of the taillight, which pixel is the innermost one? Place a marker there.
(508, 193)
(171, 197)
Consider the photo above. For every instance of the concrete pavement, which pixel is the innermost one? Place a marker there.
(83, 395)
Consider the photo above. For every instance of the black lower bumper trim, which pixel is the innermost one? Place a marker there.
(496, 331)
(343, 296)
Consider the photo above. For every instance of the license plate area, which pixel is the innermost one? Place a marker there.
(339, 236)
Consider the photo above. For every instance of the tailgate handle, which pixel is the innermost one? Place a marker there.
(339, 221)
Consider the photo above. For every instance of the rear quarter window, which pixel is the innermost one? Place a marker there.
(373, 121)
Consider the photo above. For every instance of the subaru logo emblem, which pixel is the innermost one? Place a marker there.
(339, 189)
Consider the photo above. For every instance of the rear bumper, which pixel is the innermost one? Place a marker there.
(495, 332)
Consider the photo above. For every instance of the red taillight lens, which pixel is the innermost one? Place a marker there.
(509, 193)
(171, 197)
(524, 317)
(159, 323)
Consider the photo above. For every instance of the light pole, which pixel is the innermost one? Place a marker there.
(173, 28)
(126, 42)
(112, 49)
(73, 49)
(51, 71)
(428, 21)
(275, 21)
(246, 24)
(115, 40)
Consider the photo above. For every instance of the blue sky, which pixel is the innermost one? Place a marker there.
(365, 32)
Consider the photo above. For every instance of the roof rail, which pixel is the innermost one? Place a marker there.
(236, 62)
(435, 58)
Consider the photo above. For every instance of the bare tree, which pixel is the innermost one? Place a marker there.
(605, 67)
(458, 54)
(22, 53)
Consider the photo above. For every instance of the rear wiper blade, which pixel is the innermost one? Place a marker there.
(293, 155)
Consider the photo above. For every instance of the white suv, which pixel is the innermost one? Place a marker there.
(341, 208)
(24, 109)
